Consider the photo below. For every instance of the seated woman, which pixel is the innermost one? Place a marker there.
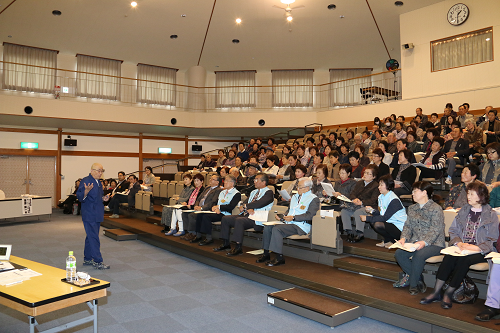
(384, 146)
(285, 171)
(363, 160)
(338, 143)
(324, 143)
(344, 153)
(317, 188)
(377, 157)
(311, 170)
(326, 153)
(389, 221)
(399, 131)
(300, 172)
(149, 178)
(230, 160)
(187, 198)
(434, 161)
(404, 174)
(490, 170)
(67, 205)
(474, 135)
(424, 228)
(365, 193)
(413, 144)
(458, 196)
(474, 229)
(271, 169)
(357, 169)
(333, 165)
(343, 186)
(221, 159)
(430, 135)
(223, 172)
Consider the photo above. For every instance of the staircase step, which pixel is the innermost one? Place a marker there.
(154, 219)
(367, 248)
(119, 234)
(323, 309)
(370, 267)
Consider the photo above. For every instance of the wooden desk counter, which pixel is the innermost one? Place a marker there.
(46, 293)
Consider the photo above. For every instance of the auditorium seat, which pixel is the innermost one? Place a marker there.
(171, 189)
(164, 189)
(178, 176)
(156, 188)
(138, 199)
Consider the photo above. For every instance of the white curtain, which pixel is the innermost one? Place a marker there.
(292, 88)
(156, 85)
(470, 48)
(345, 89)
(235, 89)
(25, 75)
(98, 77)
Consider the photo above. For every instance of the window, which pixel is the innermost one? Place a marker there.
(156, 85)
(462, 50)
(292, 88)
(346, 85)
(98, 77)
(28, 68)
(235, 89)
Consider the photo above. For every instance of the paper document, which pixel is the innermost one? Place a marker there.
(492, 255)
(259, 215)
(410, 247)
(328, 189)
(285, 195)
(419, 165)
(455, 251)
(273, 223)
(12, 277)
(344, 198)
(188, 211)
(204, 212)
(398, 182)
(451, 210)
(5, 265)
(174, 206)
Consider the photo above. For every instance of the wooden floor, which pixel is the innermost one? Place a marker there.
(365, 290)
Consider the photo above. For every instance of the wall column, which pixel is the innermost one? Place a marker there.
(58, 165)
(186, 149)
(141, 167)
(196, 77)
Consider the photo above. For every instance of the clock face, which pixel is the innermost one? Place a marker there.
(458, 14)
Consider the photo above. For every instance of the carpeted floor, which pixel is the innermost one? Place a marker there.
(153, 290)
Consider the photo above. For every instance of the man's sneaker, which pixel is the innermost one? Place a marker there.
(448, 181)
(106, 208)
(88, 262)
(381, 244)
(114, 216)
(101, 265)
(403, 282)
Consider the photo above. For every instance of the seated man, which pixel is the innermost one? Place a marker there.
(298, 220)
(358, 140)
(205, 201)
(240, 180)
(455, 149)
(458, 196)
(209, 163)
(126, 196)
(250, 184)
(261, 199)
(228, 199)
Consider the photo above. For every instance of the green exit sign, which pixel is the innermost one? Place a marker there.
(29, 145)
(164, 150)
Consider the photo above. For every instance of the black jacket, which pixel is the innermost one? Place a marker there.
(462, 148)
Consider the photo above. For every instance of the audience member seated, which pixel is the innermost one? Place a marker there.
(238, 163)
(333, 166)
(457, 197)
(223, 172)
(424, 228)
(365, 193)
(271, 168)
(434, 161)
(261, 159)
(349, 138)
(252, 161)
(338, 143)
(317, 160)
(490, 170)
(240, 180)
(300, 155)
(67, 205)
(474, 229)
(261, 199)
(388, 126)
(491, 127)
(297, 221)
(285, 151)
(435, 122)
(389, 221)
(324, 143)
(366, 140)
(205, 202)
(363, 160)
(377, 157)
(413, 144)
(149, 178)
(383, 145)
(221, 159)
(317, 188)
(404, 174)
(287, 171)
(447, 127)
(463, 115)
(228, 199)
(170, 215)
(209, 163)
(391, 141)
(313, 151)
(399, 132)
(356, 168)
(230, 160)
(253, 169)
(242, 153)
(378, 136)
(456, 150)
(309, 144)
(300, 172)
(358, 140)
(250, 145)
(128, 196)
(343, 186)
(431, 134)
(344, 154)
(474, 135)
(401, 144)
(201, 164)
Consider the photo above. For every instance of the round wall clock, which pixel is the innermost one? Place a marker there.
(458, 14)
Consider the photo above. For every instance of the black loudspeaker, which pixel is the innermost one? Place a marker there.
(196, 147)
(28, 110)
(262, 122)
(70, 142)
(173, 121)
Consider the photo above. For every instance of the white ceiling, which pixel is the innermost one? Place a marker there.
(318, 39)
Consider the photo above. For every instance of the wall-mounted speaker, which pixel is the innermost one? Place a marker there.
(196, 147)
(173, 121)
(262, 122)
(28, 110)
(70, 142)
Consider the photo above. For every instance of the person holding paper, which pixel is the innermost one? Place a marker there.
(298, 219)
(300, 171)
(365, 193)
(390, 220)
(474, 229)
(260, 200)
(343, 186)
(434, 161)
(167, 215)
(317, 188)
(228, 199)
(424, 228)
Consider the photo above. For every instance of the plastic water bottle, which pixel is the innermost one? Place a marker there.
(70, 267)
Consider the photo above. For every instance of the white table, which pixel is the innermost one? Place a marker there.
(12, 207)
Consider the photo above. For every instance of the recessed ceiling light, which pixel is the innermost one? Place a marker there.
(342, 16)
(236, 41)
(56, 12)
(332, 6)
(399, 3)
(183, 15)
(487, 39)
(289, 18)
(133, 4)
(9, 36)
(287, 2)
(173, 36)
(238, 20)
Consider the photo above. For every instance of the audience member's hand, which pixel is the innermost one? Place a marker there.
(397, 185)
(368, 209)
(288, 218)
(402, 241)
(197, 207)
(357, 202)
(216, 209)
(362, 218)
(279, 177)
(421, 245)
(250, 211)
(241, 208)
(336, 194)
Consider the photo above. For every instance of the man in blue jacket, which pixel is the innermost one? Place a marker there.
(90, 194)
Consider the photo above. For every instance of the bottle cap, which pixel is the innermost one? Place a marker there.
(70, 253)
